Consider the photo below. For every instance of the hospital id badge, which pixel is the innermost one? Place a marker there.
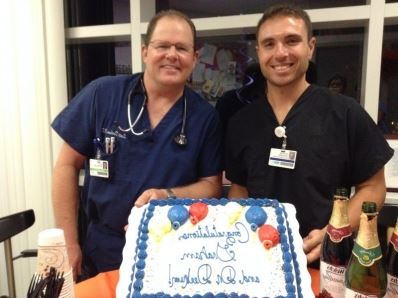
(282, 158)
(99, 168)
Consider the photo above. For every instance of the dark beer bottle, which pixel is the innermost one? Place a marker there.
(366, 275)
(392, 265)
(336, 247)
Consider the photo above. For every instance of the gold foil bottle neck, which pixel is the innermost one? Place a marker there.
(367, 233)
(339, 217)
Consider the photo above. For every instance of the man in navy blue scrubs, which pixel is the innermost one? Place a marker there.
(139, 137)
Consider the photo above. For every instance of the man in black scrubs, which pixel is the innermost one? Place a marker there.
(300, 141)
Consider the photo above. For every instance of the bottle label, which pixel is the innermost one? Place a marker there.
(392, 286)
(352, 294)
(338, 234)
(367, 256)
(394, 241)
(332, 280)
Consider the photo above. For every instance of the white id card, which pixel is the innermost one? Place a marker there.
(99, 168)
(282, 158)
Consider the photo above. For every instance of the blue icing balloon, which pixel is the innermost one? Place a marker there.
(256, 217)
(178, 215)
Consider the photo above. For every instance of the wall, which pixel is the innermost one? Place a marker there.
(33, 88)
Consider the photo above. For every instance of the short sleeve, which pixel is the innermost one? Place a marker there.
(369, 151)
(75, 123)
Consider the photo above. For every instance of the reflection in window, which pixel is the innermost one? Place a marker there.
(86, 62)
(211, 8)
(223, 60)
(338, 57)
(388, 102)
(123, 58)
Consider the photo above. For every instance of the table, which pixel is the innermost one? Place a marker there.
(104, 285)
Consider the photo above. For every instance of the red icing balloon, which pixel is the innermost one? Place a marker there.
(268, 235)
(197, 212)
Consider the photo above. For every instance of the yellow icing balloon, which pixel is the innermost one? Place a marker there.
(158, 227)
(234, 211)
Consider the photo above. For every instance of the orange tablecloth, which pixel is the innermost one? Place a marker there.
(104, 285)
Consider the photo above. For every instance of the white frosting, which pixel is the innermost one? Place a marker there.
(181, 262)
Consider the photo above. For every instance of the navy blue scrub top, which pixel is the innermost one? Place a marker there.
(152, 160)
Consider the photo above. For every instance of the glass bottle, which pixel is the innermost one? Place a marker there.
(336, 247)
(366, 275)
(392, 265)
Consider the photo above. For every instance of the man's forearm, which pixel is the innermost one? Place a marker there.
(208, 187)
(373, 189)
(65, 201)
(237, 191)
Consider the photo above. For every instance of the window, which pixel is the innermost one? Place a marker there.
(388, 101)
(86, 62)
(223, 60)
(211, 8)
(339, 52)
(96, 12)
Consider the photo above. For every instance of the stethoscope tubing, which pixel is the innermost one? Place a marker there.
(131, 128)
(180, 139)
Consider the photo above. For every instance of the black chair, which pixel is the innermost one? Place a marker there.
(10, 226)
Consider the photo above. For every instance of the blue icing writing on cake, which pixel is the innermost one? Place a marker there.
(213, 248)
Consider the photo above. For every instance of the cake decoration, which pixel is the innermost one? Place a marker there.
(268, 235)
(233, 212)
(242, 248)
(158, 227)
(197, 212)
(256, 217)
(178, 215)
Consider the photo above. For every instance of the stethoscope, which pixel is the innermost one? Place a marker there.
(180, 139)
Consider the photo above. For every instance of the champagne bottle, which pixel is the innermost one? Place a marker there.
(366, 275)
(336, 247)
(392, 265)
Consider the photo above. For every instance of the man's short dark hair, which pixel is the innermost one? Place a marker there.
(340, 79)
(286, 10)
(171, 13)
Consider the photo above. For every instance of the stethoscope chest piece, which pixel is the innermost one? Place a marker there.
(181, 139)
